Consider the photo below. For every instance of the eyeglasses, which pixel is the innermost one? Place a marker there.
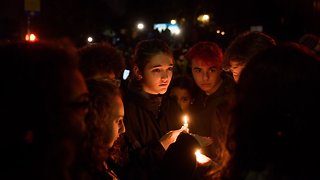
(116, 82)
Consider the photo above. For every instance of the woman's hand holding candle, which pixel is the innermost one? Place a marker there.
(170, 138)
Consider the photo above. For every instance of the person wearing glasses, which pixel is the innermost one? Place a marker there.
(44, 101)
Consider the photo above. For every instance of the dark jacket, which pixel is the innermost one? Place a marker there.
(210, 115)
(147, 118)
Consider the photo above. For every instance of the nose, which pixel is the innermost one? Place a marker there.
(165, 75)
(206, 75)
(234, 70)
(122, 128)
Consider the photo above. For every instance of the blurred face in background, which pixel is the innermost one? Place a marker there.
(157, 74)
(182, 96)
(206, 75)
(236, 68)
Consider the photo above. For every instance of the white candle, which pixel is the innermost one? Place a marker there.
(185, 121)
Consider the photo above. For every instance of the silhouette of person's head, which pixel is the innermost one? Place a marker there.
(274, 121)
(44, 99)
(245, 46)
(179, 161)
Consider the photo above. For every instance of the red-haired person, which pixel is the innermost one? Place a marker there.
(212, 99)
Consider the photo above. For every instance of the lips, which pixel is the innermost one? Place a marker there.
(235, 76)
(205, 85)
(163, 85)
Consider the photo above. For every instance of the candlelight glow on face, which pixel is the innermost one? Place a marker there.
(201, 158)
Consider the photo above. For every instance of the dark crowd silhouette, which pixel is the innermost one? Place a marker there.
(160, 110)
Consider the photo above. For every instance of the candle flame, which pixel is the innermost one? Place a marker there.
(185, 120)
(201, 158)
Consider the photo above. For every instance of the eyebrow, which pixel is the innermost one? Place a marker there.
(80, 101)
(197, 67)
(155, 66)
(236, 64)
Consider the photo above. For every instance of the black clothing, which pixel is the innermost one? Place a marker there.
(147, 118)
(179, 161)
(210, 115)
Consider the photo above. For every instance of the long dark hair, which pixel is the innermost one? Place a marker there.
(102, 94)
(143, 53)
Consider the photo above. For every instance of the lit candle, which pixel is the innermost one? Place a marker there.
(185, 121)
(201, 158)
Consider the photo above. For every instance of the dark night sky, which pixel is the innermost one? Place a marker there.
(77, 17)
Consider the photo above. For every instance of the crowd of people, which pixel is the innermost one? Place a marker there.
(249, 109)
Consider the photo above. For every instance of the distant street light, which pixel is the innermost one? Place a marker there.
(140, 26)
(90, 39)
(204, 18)
(31, 37)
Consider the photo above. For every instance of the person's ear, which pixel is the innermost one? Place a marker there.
(137, 72)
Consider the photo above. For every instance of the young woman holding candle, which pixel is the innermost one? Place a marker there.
(153, 121)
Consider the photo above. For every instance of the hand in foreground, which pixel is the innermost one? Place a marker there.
(170, 138)
(206, 168)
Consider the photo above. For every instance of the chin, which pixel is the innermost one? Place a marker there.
(206, 88)
(162, 91)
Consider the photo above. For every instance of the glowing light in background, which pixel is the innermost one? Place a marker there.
(140, 26)
(204, 18)
(174, 28)
(126, 73)
(31, 37)
(90, 39)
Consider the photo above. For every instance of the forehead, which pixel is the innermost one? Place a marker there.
(236, 62)
(180, 92)
(160, 59)
(117, 108)
(198, 62)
